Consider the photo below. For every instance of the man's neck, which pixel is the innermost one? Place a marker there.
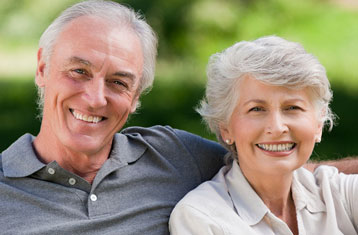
(85, 165)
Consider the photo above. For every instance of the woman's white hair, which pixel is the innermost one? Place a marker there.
(270, 59)
(117, 15)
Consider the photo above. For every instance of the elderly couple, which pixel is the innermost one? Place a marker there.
(266, 100)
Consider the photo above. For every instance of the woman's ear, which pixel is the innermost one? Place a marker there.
(40, 70)
(319, 131)
(225, 134)
(320, 125)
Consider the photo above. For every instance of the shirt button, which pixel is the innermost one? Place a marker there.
(71, 181)
(93, 197)
(51, 171)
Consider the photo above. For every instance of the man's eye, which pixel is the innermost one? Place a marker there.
(80, 71)
(120, 83)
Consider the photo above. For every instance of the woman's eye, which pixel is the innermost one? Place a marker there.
(293, 107)
(256, 109)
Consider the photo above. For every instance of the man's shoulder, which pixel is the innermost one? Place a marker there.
(148, 131)
(1, 168)
(19, 154)
(21, 142)
(167, 137)
(161, 135)
(156, 131)
(180, 146)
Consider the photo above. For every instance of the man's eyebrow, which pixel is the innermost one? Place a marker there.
(124, 74)
(75, 59)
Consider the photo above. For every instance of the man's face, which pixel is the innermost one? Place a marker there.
(91, 84)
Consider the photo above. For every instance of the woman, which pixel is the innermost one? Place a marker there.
(268, 101)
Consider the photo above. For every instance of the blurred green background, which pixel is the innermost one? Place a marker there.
(189, 32)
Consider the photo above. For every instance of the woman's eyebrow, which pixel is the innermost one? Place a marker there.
(255, 101)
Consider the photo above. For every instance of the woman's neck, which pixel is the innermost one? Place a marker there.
(275, 192)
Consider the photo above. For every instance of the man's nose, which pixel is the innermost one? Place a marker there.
(95, 93)
(276, 124)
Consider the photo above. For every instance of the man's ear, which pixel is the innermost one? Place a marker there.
(135, 103)
(40, 70)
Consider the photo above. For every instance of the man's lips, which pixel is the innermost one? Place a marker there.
(87, 118)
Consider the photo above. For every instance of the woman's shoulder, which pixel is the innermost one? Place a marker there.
(324, 187)
(210, 195)
(326, 190)
(318, 178)
(208, 209)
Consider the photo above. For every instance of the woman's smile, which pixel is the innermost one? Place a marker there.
(280, 149)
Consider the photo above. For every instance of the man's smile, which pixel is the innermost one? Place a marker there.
(87, 118)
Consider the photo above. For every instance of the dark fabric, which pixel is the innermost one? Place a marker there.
(149, 170)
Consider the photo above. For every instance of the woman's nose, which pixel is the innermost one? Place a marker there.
(276, 124)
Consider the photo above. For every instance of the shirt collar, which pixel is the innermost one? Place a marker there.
(127, 148)
(20, 160)
(248, 204)
(305, 192)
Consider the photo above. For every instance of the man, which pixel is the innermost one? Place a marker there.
(77, 176)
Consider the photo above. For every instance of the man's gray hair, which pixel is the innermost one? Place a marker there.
(115, 13)
(270, 59)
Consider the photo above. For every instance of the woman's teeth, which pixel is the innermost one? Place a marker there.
(276, 147)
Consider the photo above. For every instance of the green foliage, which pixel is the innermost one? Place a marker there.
(22, 21)
(18, 111)
(189, 32)
(172, 105)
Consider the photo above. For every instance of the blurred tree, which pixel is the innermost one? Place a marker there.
(189, 32)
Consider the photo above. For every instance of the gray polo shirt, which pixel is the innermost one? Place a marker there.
(147, 172)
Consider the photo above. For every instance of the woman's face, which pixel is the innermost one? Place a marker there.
(274, 128)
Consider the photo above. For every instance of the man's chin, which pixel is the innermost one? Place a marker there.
(88, 145)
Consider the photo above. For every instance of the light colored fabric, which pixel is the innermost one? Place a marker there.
(326, 203)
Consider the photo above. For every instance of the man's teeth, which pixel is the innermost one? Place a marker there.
(276, 147)
(86, 118)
